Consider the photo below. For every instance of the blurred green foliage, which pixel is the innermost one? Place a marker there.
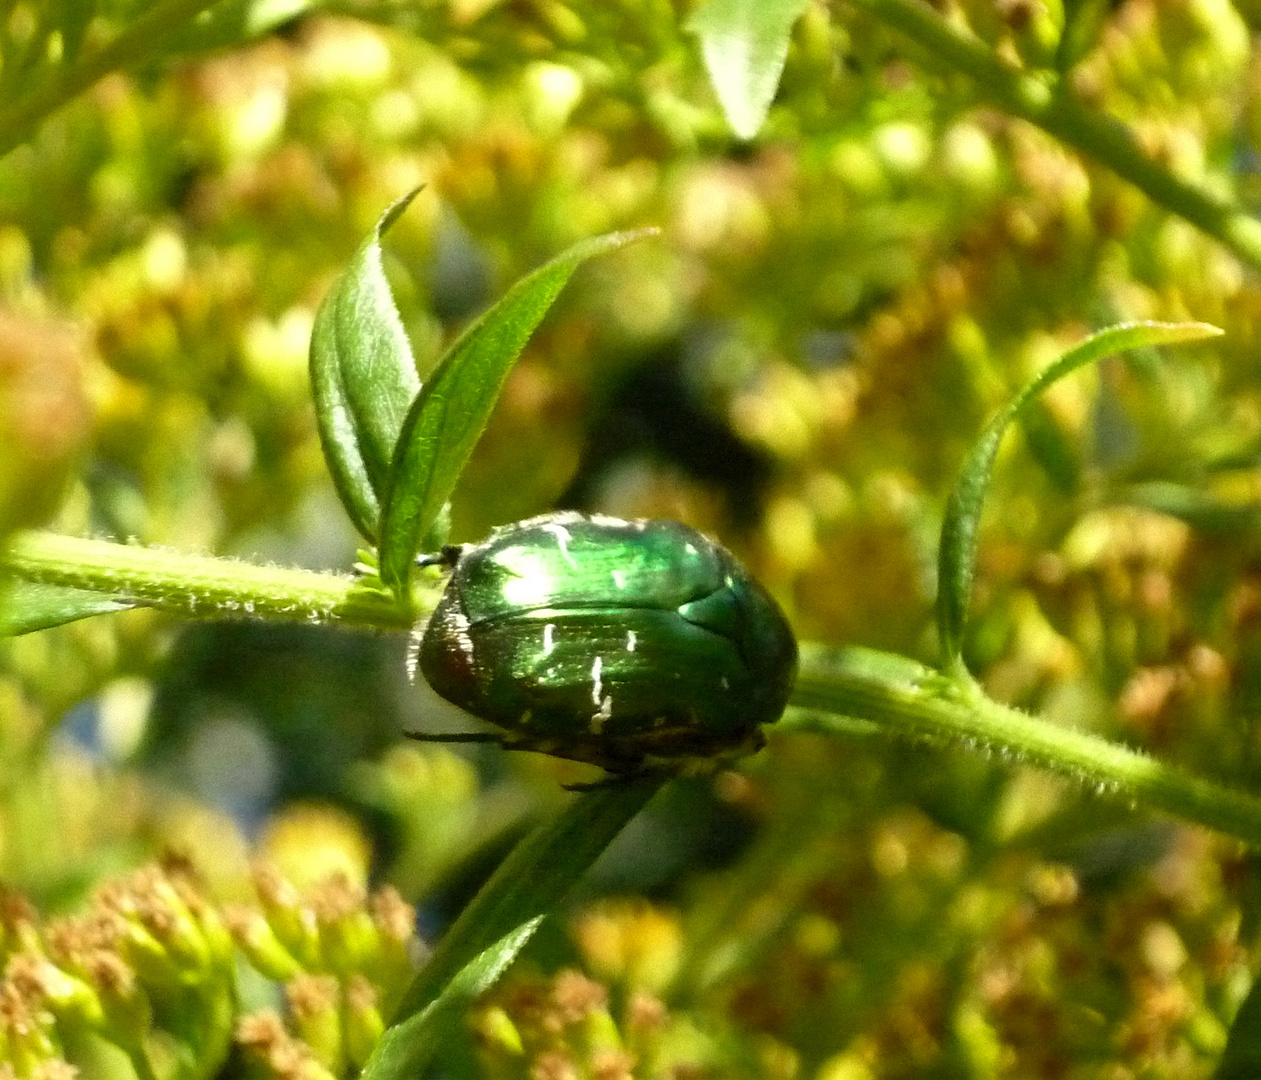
(796, 365)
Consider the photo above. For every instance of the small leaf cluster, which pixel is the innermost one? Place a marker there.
(396, 449)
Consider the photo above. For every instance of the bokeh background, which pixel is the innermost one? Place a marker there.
(796, 364)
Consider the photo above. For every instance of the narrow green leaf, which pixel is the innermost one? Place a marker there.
(1241, 1060)
(426, 1032)
(363, 377)
(1200, 509)
(744, 44)
(26, 606)
(956, 562)
(529, 885)
(451, 410)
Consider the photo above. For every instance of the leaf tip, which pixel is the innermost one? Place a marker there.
(396, 208)
(612, 241)
(1169, 333)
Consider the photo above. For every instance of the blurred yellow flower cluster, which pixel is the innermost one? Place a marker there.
(150, 970)
(796, 365)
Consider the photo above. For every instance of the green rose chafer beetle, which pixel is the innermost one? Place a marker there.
(631, 645)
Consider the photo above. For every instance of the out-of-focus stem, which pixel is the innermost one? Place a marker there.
(1045, 99)
(137, 42)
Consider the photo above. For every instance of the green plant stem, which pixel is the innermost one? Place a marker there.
(902, 698)
(908, 701)
(1045, 99)
(529, 884)
(137, 42)
(201, 586)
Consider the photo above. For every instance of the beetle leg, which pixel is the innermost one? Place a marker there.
(620, 764)
(626, 772)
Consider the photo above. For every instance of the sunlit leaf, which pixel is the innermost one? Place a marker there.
(744, 44)
(451, 411)
(363, 377)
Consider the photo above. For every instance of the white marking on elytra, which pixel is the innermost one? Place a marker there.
(632, 639)
(549, 639)
(459, 626)
(724, 683)
(598, 720)
(413, 652)
(562, 541)
(619, 578)
(690, 549)
(597, 683)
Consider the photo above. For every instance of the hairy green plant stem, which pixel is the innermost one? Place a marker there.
(900, 697)
(1044, 98)
(201, 586)
(138, 42)
(908, 701)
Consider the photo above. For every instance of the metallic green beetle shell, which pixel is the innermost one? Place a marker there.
(621, 643)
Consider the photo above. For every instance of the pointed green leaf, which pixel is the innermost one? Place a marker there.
(450, 412)
(528, 885)
(744, 44)
(363, 377)
(26, 606)
(426, 1032)
(956, 562)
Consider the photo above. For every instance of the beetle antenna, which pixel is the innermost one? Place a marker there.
(446, 557)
